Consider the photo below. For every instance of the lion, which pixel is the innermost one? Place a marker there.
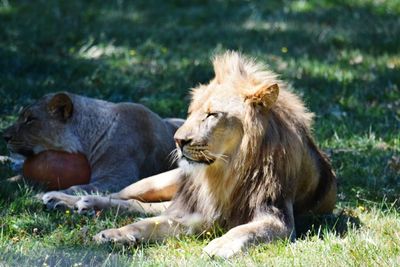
(247, 163)
(123, 142)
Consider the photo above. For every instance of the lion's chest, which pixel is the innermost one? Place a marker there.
(221, 207)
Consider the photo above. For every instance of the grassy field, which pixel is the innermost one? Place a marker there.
(343, 57)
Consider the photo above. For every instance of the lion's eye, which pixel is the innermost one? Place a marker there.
(212, 114)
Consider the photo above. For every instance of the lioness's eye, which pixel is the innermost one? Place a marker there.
(29, 119)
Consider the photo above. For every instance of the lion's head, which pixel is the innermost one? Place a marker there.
(244, 132)
(42, 126)
(230, 115)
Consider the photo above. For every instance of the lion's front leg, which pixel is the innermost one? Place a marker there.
(159, 187)
(90, 203)
(264, 229)
(149, 230)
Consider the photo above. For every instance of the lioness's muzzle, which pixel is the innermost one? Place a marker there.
(6, 136)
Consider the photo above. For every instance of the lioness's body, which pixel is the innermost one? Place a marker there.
(123, 142)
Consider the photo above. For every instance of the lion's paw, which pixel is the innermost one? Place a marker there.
(115, 236)
(59, 200)
(223, 247)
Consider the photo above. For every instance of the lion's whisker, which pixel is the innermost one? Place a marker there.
(173, 156)
(208, 158)
(223, 157)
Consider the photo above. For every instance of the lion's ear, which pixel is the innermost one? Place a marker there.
(61, 106)
(265, 95)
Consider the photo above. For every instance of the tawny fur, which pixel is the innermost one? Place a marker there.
(276, 159)
(248, 161)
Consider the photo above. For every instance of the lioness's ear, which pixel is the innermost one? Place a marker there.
(265, 95)
(60, 106)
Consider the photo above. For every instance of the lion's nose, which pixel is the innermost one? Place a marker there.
(182, 142)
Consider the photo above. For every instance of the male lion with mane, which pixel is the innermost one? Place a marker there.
(247, 163)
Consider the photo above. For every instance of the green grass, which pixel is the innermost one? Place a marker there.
(343, 57)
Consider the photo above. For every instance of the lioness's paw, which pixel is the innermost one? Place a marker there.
(58, 200)
(86, 205)
(116, 236)
(223, 247)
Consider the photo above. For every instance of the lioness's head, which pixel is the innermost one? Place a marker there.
(220, 112)
(41, 126)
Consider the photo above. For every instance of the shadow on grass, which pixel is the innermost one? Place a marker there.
(338, 224)
(367, 175)
(65, 256)
(156, 51)
(8, 190)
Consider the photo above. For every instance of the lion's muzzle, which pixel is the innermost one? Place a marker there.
(198, 154)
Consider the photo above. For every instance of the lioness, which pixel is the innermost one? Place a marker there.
(247, 162)
(123, 142)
